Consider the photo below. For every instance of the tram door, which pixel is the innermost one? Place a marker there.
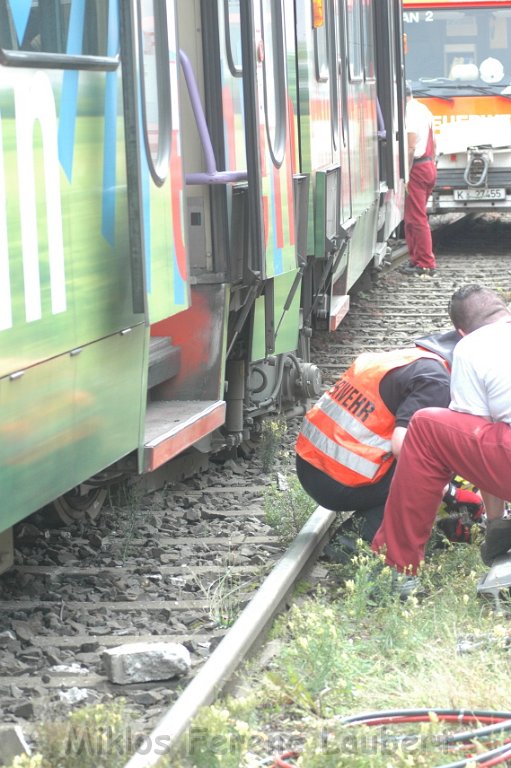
(268, 43)
(391, 101)
(153, 138)
(322, 142)
(360, 119)
(346, 195)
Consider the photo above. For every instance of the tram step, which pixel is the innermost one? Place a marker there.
(339, 308)
(171, 426)
(164, 360)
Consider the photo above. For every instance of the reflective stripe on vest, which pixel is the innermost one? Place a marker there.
(351, 425)
(336, 452)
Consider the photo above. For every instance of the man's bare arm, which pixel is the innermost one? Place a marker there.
(412, 143)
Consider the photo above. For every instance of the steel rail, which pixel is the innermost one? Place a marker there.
(236, 645)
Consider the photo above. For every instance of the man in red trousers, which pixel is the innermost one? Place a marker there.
(472, 437)
(422, 178)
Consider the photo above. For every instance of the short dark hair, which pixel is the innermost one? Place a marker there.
(474, 305)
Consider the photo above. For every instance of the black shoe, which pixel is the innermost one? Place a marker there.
(389, 581)
(497, 540)
(413, 269)
(361, 525)
(405, 585)
(341, 550)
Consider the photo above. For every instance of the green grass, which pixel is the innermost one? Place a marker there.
(272, 434)
(353, 647)
(92, 737)
(287, 510)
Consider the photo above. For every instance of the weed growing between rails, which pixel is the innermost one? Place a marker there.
(126, 503)
(287, 508)
(226, 595)
(272, 435)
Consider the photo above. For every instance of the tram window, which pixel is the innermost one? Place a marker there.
(274, 73)
(354, 39)
(342, 38)
(368, 39)
(50, 27)
(233, 36)
(156, 102)
(321, 53)
(333, 59)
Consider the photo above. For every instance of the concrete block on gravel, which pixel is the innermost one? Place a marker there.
(143, 662)
(13, 743)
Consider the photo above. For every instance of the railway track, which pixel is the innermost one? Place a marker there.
(149, 567)
(154, 574)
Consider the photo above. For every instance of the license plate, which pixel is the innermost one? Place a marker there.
(480, 194)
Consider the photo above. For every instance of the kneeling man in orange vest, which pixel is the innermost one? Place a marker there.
(349, 441)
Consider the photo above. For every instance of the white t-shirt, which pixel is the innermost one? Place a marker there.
(418, 120)
(481, 372)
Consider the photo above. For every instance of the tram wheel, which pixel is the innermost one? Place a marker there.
(81, 503)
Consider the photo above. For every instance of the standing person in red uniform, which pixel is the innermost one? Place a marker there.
(471, 437)
(422, 178)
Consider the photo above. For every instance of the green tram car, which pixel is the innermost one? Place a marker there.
(187, 188)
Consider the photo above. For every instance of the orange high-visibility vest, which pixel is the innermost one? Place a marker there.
(347, 434)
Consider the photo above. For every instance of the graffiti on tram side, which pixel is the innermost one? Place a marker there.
(34, 102)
